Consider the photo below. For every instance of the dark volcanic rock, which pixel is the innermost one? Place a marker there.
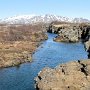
(70, 32)
(67, 32)
(87, 47)
(70, 76)
(69, 35)
(86, 38)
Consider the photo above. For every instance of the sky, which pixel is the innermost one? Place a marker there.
(69, 8)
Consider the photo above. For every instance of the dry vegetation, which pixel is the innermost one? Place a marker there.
(18, 42)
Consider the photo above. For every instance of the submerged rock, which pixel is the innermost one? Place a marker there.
(70, 76)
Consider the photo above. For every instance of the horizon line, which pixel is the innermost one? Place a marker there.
(43, 15)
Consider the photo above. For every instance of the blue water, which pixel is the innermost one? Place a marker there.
(49, 54)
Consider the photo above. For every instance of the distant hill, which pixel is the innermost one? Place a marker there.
(30, 19)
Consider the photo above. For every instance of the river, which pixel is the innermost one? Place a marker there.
(49, 54)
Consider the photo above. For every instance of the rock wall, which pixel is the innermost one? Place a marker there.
(55, 27)
(86, 39)
(87, 47)
(70, 32)
(85, 33)
(70, 76)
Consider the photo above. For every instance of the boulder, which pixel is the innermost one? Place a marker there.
(70, 76)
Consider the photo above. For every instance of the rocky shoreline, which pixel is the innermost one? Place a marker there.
(87, 47)
(69, 32)
(70, 76)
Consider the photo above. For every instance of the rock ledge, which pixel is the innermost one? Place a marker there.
(70, 76)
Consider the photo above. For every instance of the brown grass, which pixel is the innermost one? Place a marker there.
(18, 42)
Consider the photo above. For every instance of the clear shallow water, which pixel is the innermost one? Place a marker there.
(49, 54)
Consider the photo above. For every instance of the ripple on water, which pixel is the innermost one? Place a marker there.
(49, 54)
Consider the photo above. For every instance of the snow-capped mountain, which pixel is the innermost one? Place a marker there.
(25, 19)
(79, 20)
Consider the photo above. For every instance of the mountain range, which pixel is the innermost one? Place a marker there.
(30, 19)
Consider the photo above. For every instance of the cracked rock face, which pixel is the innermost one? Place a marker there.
(70, 76)
(87, 47)
(68, 35)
